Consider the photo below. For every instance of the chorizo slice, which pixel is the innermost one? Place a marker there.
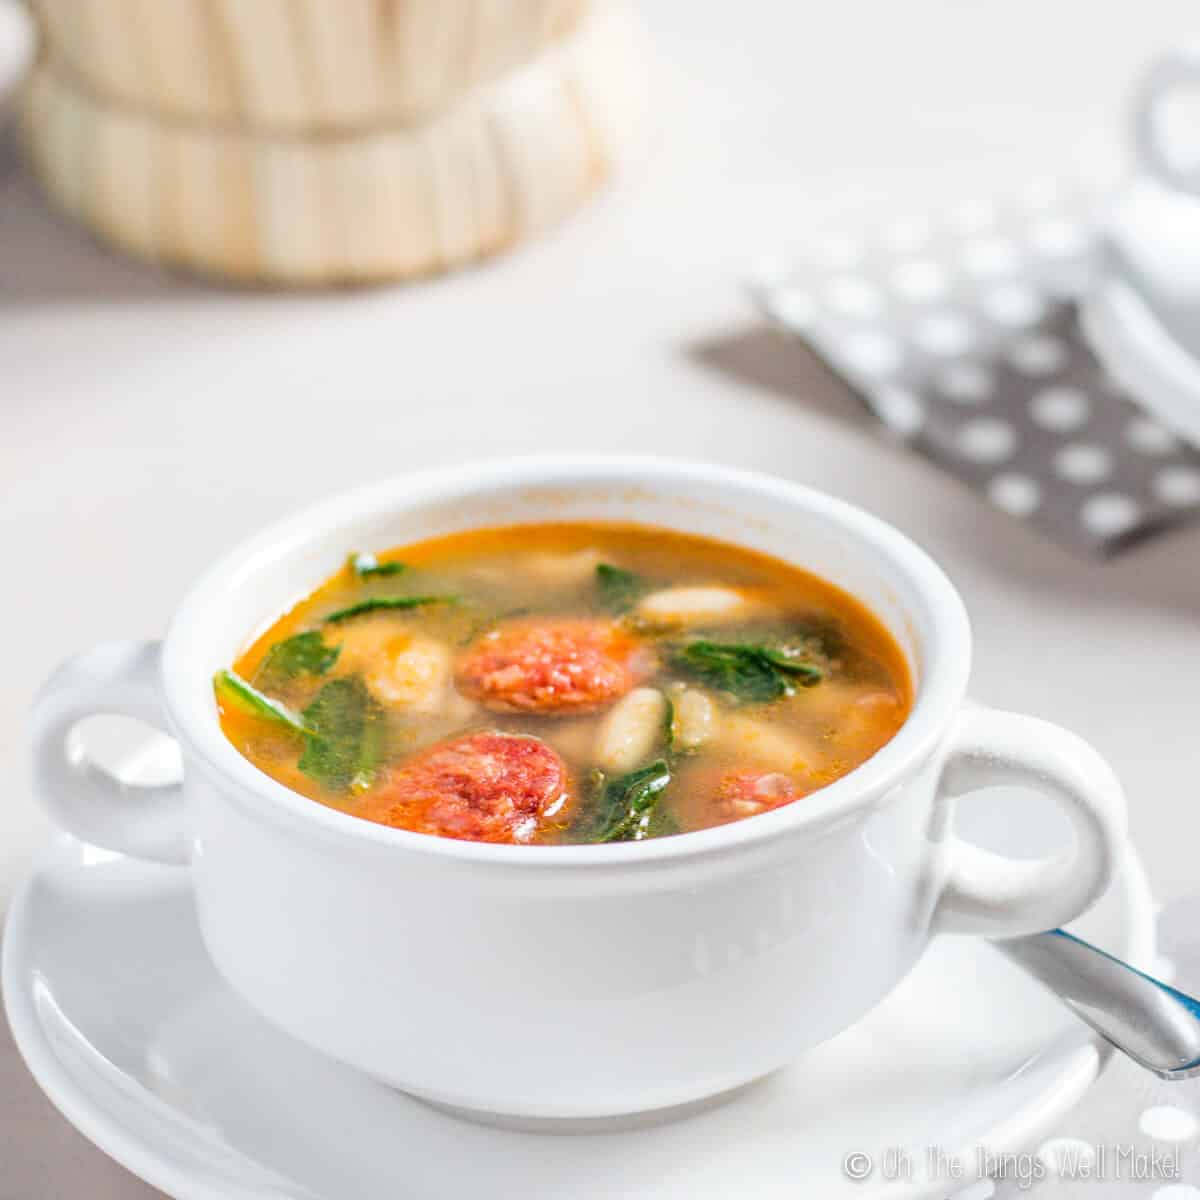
(553, 667)
(485, 787)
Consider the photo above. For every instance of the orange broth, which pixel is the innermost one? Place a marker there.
(755, 684)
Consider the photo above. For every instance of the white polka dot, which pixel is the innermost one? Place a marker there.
(899, 409)
(1067, 1157)
(1109, 514)
(1060, 409)
(943, 334)
(920, 281)
(794, 307)
(1164, 968)
(991, 258)
(987, 440)
(1176, 1191)
(1014, 305)
(1149, 437)
(852, 296)
(1178, 486)
(966, 382)
(1166, 1123)
(1015, 494)
(1083, 463)
(871, 353)
(984, 1189)
(1038, 354)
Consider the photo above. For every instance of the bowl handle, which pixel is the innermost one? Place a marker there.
(1175, 70)
(146, 821)
(996, 896)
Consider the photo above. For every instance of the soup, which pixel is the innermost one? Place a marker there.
(565, 683)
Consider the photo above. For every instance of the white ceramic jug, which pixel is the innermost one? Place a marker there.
(1144, 316)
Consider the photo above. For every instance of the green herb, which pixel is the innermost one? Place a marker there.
(345, 734)
(378, 603)
(232, 691)
(814, 635)
(750, 672)
(367, 566)
(342, 728)
(668, 728)
(303, 654)
(629, 804)
(617, 590)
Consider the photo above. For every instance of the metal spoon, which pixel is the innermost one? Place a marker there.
(1157, 1025)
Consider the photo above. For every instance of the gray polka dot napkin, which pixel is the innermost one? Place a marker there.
(965, 344)
(1133, 1137)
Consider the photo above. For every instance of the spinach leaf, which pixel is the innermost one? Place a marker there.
(668, 725)
(303, 654)
(617, 590)
(629, 804)
(342, 728)
(345, 735)
(232, 691)
(377, 603)
(367, 566)
(750, 672)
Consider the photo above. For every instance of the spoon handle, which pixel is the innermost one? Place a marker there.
(1155, 1024)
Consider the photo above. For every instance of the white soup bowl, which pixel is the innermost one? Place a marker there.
(579, 981)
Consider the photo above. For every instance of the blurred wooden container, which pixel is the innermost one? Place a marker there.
(298, 64)
(325, 161)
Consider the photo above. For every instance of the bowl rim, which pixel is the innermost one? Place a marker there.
(191, 713)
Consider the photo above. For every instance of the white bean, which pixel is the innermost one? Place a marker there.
(695, 719)
(417, 675)
(769, 746)
(871, 714)
(628, 734)
(690, 605)
(564, 570)
(400, 667)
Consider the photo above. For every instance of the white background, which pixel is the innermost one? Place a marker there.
(147, 423)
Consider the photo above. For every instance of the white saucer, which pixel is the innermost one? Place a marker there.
(128, 1028)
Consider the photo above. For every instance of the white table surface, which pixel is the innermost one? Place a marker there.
(147, 423)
